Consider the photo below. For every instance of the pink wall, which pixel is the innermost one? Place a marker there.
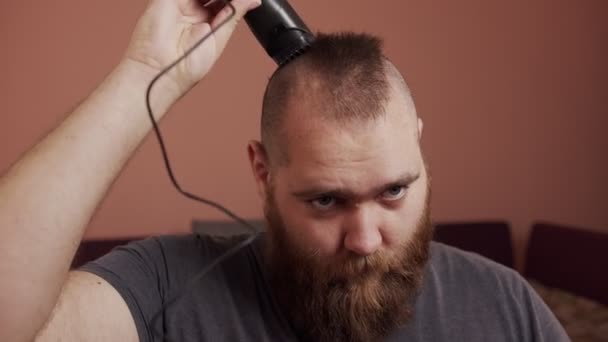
(513, 94)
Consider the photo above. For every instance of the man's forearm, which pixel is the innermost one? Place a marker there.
(48, 197)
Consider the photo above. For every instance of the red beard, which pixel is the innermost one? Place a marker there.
(352, 298)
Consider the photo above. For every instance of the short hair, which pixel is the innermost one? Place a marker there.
(345, 73)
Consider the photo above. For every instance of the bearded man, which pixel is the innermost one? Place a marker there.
(347, 254)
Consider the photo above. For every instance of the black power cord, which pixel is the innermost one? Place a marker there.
(230, 252)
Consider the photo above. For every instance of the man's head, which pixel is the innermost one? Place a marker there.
(345, 189)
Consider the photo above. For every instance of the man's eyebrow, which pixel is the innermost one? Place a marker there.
(317, 191)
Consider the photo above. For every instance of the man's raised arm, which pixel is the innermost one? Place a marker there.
(49, 195)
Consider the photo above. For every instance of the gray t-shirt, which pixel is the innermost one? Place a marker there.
(464, 296)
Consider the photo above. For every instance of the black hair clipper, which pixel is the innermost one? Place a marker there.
(280, 30)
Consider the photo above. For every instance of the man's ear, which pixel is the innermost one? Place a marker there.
(420, 126)
(260, 166)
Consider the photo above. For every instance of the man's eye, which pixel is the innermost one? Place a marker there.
(323, 203)
(394, 193)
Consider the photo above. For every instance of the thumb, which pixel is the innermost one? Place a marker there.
(241, 7)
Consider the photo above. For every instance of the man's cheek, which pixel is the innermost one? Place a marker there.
(312, 235)
(326, 236)
(402, 224)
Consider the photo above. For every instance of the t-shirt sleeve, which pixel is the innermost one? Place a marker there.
(544, 325)
(138, 271)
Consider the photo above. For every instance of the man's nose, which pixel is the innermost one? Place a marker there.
(362, 227)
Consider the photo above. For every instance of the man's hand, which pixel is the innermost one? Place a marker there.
(168, 28)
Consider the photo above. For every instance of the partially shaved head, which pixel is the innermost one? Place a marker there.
(345, 191)
(343, 78)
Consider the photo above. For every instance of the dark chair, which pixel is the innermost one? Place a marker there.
(224, 227)
(490, 239)
(572, 259)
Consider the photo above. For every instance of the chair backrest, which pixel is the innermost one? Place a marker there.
(569, 258)
(225, 228)
(491, 239)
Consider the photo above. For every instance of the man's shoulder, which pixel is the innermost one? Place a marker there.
(459, 270)
(179, 256)
(468, 296)
(453, 259)
(183, 245)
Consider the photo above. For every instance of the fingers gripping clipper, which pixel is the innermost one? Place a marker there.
(279, 29)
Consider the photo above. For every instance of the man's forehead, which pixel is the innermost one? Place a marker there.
(308, 131)
(328, 152)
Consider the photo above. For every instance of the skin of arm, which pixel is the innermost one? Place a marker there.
(49, 195)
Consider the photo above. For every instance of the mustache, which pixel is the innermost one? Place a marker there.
(352, 267)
